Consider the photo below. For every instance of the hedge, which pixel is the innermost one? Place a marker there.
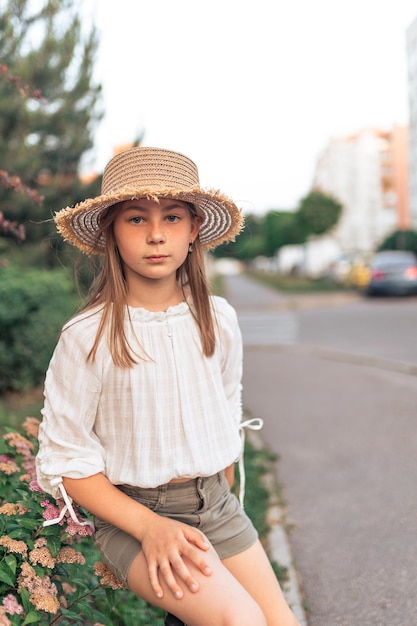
(34, 304)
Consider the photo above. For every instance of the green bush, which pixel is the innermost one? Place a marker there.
(34, 304)
(52, 574)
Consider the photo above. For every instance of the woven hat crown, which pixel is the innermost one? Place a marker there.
(149, 168)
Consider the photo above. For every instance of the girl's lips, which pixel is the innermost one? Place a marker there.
(156, 258)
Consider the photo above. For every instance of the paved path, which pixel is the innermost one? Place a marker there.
(347, 437)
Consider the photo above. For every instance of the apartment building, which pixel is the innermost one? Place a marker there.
(411, 44)
(368, 173)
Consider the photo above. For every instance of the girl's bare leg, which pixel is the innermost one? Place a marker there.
(241, 591)
(254, 571)
(220, 600)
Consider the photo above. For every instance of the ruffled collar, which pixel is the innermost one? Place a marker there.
(143, 315)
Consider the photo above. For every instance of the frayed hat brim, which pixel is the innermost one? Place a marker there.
(222, 220)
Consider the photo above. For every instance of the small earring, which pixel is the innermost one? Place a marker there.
(190, 247)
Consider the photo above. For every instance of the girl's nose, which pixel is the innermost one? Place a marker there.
(155, 232)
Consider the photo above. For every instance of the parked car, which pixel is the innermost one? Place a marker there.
(393, 273)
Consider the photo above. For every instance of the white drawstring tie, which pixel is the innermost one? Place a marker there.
(57, 482)
(255, 423)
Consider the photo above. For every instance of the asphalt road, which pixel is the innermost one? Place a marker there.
(338, 399)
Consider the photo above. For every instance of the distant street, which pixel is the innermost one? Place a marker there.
(335, 380)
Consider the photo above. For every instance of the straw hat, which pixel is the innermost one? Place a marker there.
(150, 173)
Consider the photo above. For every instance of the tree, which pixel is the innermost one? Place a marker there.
(10, 229)
(43, 140)
(317, 213)
(401, 240)
(248, 244)
(281, 228)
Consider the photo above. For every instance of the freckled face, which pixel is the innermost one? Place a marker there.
(153, 237)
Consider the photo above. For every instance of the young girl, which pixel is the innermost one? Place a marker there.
(142, 413)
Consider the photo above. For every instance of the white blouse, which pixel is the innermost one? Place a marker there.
(174, 414)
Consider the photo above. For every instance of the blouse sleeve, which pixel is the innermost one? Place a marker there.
(68, 445)
(232, 359)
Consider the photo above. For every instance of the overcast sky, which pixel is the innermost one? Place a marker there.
(251, 91)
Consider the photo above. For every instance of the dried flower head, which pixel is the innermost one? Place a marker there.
(63, 602)
(45, 602)
(4, 620)
(43, 592)
(8, 466)
(107, 578)
(18, 441)
(40, 542)
(42, 556)
(70, 555)
(12, 545)
(26, 577)
(13, 508)
(68, 589)
(31, 426)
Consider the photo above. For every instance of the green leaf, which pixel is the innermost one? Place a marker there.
(34, 506)
(23, 492)
(32, 618)
(84, 608)
(4, 448)
(51, 531)
(71, 614)
(27, 605)
(7, 577)
(18, 533)
(11, 562)
(102, 618)
(29, 524)
(54, 544)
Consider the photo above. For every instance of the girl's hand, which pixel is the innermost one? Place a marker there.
(167, 545)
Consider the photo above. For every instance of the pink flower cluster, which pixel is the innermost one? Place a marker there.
(51, 511)
(8, 466)
(12, 606)
(72, 528)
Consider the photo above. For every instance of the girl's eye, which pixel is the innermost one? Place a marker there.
(136, 219)
(172, 218)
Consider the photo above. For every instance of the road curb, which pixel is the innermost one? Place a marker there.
(278, 546)
(280, 551)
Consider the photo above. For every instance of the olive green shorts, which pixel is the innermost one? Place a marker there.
(204, 503)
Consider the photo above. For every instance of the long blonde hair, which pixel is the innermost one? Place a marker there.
(110, 290)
